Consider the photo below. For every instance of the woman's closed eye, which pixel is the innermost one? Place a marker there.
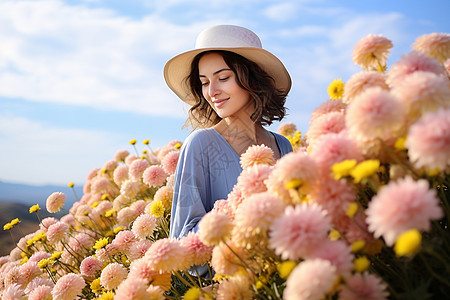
(224, 78)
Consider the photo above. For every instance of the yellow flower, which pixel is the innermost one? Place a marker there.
(259, 285)
(146, 142)
(361, 264)
(334, 235)
(293, 184)
(24, 260)
(104, 171)
(95, 285)
(193, 293)
(15, 221)
(7, 226)
(408, 243)
(95, 204)
(56, 255)
(285, 268)
(109, 295)
(336, 89)
(132, 142)
(157, 209)
(110, 212)
(34, 208)
(352, 209)
(358, 245)
(365, 169)
(144, 151)
(343, 168)
(71, 184)
(43, 263)
(41, 236)
(177, 146)
(118, 229)
(100, 243)
(104, 197)
(400, 143)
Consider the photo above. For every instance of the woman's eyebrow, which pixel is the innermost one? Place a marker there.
(217, 72)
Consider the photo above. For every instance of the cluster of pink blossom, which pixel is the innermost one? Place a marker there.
(304, 227)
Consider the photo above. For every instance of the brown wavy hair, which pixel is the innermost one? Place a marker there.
(269, 101)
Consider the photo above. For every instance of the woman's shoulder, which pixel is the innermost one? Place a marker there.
(199, 139)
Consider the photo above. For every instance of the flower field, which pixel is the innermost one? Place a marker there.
(359, 210)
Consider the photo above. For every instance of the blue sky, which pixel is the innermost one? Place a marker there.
(79, 79)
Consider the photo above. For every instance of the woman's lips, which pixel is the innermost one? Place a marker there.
(219, 103)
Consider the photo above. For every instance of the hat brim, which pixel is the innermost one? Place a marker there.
(178, 68)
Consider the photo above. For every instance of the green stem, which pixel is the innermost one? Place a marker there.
(435, 275)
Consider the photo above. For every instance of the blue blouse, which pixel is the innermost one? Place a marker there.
(207, 170)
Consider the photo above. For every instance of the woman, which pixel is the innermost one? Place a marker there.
(235, 87)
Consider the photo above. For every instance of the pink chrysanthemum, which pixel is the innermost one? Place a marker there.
(81, 242)
(139, 206)
(310, 280)
(165, 195)
(92, 173)
(400, 206)
(436, 45)
(110, 166)
(13, 292)
(428, 141)
(130, 188)
(199, 251)
(69, 219)
(68, 287)
(89, 266)
(139, 268)
(255, 215)
(121, 174)
(338, 253)
(251, 180)
(333, 148)
(333, 122)
(298, 231)
(214, 227)
(375, 113)
(327, 107)
(423, 92)
(361, 81)
(130, 158)
(39, 281)
(57, 232)
(41, 292)
(166, 255)
(154, 176)
(155, 293)
(55, 202)
(410, 63)
(121, 202)
(29, 271)
(292, 166)
(137, 168)
(364, 286)
(235, 198)
(138, 249)
(223, 207)
(13, 276)
(100, 185)
(170, 160)
(287, 128)
(144, 225)
(132, 289)
(120, 155)
(124, 240)
(112, 275)
(235, 287)
(371, 51)
(225, 261)
(38, 256)
(257, 154)
(46, 223)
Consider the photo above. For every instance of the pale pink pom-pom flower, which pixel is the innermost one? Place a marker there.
(144, 225)
(124, 240)
(375, 113)
(137, 168)
(42, 292)
(57, 232)
(38, 256)
(166, 255)
(371, 51)
(257, 154)
(130, 158)
(29, 271)
(39, 281)
(120, 155)
(68, 287)
(411, 63)
(170, 160)
(55, 202)
(251, 180)
(223, 207)
(423, 92)
(361, 81)
(154, 176)
(310, 280)
(436, 45)
(138, 249)
(13, 292)
(112, 275)
(130, 188)
(327, 107)
(92, 173)
(400, 206)
(139, 206)
(132, 289)
(89, 266)
(363, 286)
(287, 128)
(110, 166)
(155, 293)
(428, 141)
(46, 223)
(333, 122)
(194, 246)
(214, 227)
(235, 287)
(228, 261)
(120, 174)
(298, 231)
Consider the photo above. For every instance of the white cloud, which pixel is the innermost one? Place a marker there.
(37, 153)
(281, 11)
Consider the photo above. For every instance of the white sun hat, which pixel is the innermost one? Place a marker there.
(230, 38)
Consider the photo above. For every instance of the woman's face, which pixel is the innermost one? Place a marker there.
(220, 88)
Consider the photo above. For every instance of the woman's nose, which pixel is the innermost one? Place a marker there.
(213, 90)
